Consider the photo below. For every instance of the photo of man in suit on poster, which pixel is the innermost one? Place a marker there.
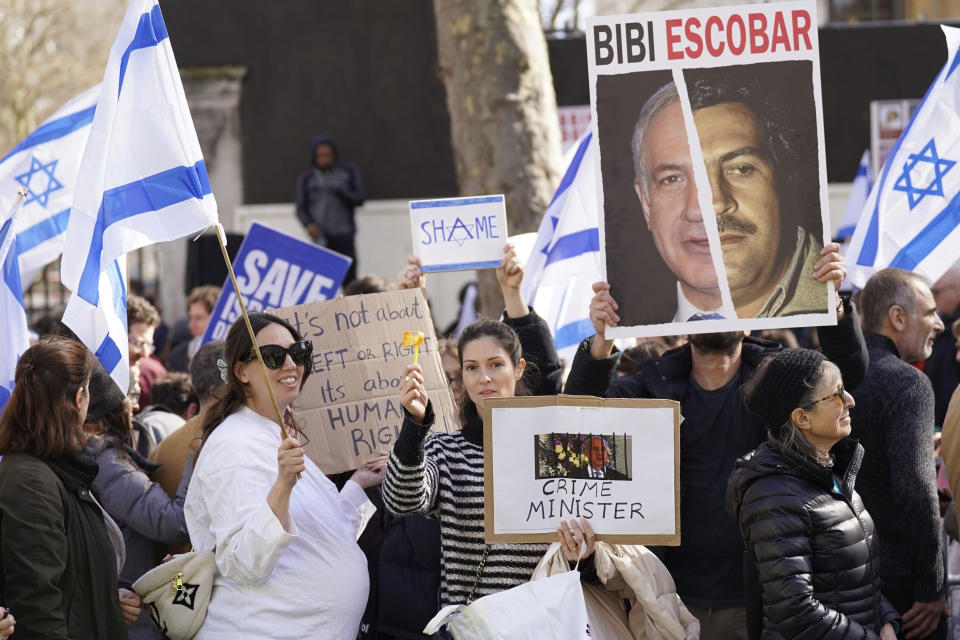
(597, 450)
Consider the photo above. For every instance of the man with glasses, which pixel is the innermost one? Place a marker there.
(142, 321)
(893, 419)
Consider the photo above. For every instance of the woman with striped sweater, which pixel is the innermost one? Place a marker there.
(442, 474)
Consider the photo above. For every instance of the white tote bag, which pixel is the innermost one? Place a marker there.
(549, 608)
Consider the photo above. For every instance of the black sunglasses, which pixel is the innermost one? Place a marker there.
(274, 355)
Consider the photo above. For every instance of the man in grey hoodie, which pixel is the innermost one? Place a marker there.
(327, 195)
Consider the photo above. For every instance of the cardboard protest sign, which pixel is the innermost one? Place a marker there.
(614, 462)
(275, 270)
(714, 200)
(350, 407)
(454, 234)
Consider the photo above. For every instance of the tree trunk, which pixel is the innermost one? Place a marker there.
(503, 110)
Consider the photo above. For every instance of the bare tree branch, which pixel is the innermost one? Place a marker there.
(50, 50)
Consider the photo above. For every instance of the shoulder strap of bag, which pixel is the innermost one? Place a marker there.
(476, 581)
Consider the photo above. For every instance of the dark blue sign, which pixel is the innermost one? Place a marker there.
(276, 270)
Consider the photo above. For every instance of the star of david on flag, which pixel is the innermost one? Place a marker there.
(939, 167)
(48, 182)
(142, 180)
(46, 163)
(911, 219)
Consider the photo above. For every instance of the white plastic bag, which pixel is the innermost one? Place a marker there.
(549, 608)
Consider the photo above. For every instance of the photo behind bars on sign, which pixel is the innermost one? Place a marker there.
(573, 455)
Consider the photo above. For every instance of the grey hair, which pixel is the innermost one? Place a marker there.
(660, 100)
(606, 445)
(887, 288)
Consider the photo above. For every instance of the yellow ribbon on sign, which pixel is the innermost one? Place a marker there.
(413, 339)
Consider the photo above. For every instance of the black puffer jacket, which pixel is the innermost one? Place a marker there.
(815, 549)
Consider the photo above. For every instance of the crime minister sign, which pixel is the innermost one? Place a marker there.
(613, 462)
(709, 124)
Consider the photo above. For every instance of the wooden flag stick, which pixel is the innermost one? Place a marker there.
(253, 337)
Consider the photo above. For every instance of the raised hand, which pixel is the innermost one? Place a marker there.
(413, 393)
(410, 277)
(510, 271)
(603, 308)
(831, 265)
(510, 277)
(603, 312)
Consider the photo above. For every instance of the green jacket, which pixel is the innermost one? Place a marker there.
(58, 570)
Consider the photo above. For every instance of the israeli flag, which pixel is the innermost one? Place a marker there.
(565, 261)
(912, 218)
(45, 163)
(15, 338)
(142, 180)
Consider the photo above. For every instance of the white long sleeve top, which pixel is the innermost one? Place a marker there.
(308, 581)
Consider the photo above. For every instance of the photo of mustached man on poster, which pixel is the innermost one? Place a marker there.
(755, 129)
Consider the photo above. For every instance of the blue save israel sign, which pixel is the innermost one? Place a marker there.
(276, 270)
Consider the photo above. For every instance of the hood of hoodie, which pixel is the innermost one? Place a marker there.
(771, 459)
(323, 139)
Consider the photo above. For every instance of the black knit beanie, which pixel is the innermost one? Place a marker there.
(779, 391)
(105, 395)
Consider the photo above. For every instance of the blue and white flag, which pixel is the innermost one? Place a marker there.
(142, 180)
(566, 261)
(15, 337)
(46, 164)
(912, 218)
(859, 192)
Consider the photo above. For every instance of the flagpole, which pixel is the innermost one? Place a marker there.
(253, 337)
(21, 194)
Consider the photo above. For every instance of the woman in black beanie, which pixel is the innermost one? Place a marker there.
(804, 526)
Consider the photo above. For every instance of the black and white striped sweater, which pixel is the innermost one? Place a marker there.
(442, 475)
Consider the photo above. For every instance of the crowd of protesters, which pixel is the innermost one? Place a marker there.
(809, 502)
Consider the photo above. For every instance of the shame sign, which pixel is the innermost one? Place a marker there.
(453, 234)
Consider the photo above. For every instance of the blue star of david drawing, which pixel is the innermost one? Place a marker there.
(40, 169)
(935, 188)
(468, 228)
